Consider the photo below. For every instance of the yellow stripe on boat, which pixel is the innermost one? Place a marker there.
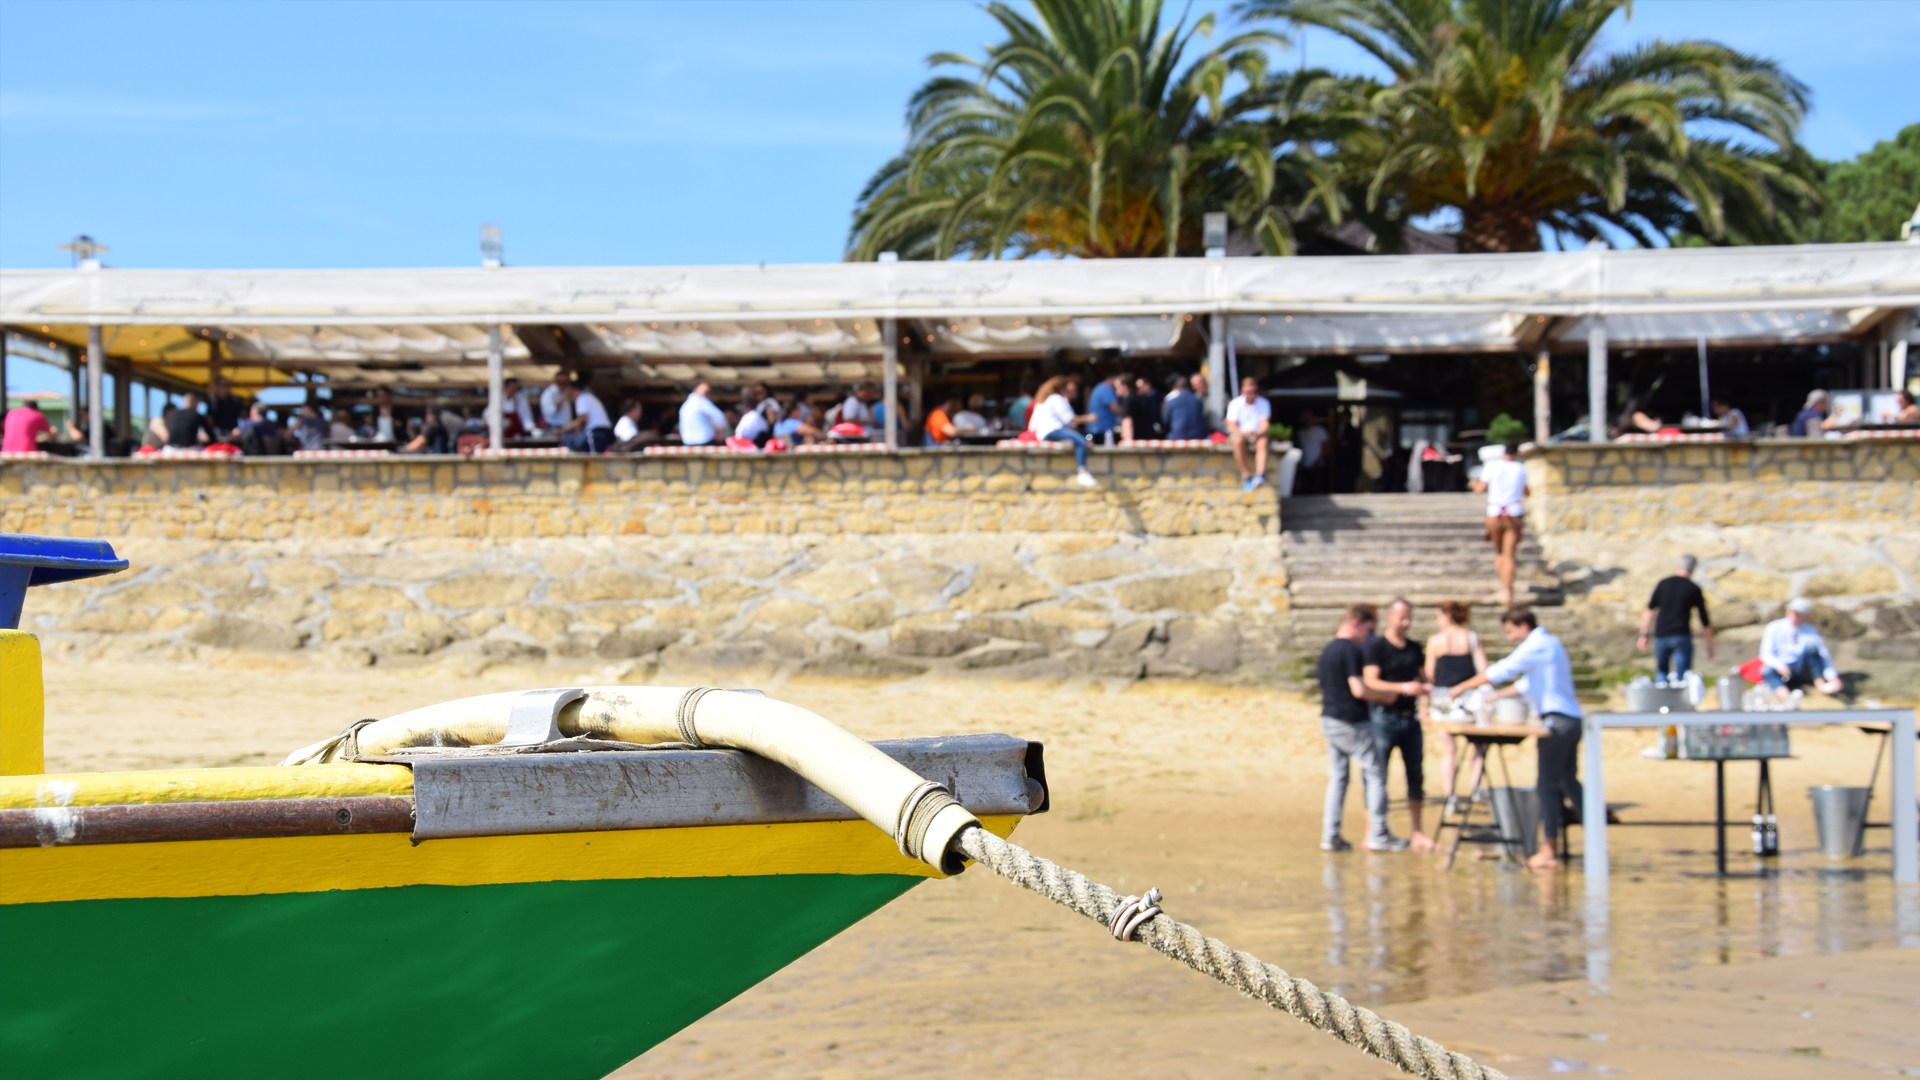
(203, 785)
(298, 864)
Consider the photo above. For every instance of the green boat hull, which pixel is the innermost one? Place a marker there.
(551, 979)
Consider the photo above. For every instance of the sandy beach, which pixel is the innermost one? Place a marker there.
(1213, 795)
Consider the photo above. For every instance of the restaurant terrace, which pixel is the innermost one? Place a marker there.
(454, 335)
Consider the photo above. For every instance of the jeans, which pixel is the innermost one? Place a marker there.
(1347, 741)
(1391, 730)
(1068, 435)
(1675, 647)
(1558, 776)
(588, 442)
(1804, 672)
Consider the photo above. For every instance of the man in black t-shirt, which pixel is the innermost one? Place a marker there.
(187, 428)
(1667, 623)
(1349, 731)
(1394, 666)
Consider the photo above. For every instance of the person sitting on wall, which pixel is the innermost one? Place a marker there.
(591, 429)
(701, 421)
(1793, 654)
(1248, 417)
(1055, 421)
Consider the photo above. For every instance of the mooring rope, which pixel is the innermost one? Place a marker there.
(1244, 972)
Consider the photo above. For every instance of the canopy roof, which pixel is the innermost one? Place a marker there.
(809, 323)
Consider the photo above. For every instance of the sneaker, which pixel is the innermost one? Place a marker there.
(1246, 484)
(1256, 482)
(1085, 479)
(1387, 842)
(1335, 843)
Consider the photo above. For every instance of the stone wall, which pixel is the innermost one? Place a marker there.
(838, 565)
(1154, 493)
(1770, 520)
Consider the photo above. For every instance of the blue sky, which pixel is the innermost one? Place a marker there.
(351, 134)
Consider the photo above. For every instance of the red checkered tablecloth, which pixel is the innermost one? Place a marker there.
(31, 455)
(322, 455)
(1890, 433)
(523, 451)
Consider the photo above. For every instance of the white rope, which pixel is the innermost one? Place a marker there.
(1244, 972)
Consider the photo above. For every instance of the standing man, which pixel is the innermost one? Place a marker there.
(1107, 402)
(224, 411)
(1247, 418)
(1667, 622)
(1505, 484)
(1793, 654)
(701, 421)
(1541, 658)
(1184, 412)
(1349, 731)
(1394, 666)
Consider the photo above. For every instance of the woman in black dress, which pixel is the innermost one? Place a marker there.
(1454, 655)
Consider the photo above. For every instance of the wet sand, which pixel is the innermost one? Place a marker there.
(1214, 796)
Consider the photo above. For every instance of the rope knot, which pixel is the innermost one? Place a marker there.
(1133, 913)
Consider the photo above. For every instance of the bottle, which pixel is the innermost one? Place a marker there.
(1773, 835)
(1759, 834)
(1696, 689)
(1670, 742)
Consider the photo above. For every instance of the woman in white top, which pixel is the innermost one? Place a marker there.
(1505, 483)
(1054, 420)
(1454, 655)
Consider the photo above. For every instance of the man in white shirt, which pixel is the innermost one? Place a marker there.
(1793, 654)
(556, 409)
(591, 429)
(858, 409)
(753, 426)
(1541, 662)
(1505, 484)
(701, 421)
(1247, 418)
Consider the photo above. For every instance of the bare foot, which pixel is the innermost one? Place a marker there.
(1420, 842)
(1543, 859)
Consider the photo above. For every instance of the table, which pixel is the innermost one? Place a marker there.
(1495, 736)
(1906, 817)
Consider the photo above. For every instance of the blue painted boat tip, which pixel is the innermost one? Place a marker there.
(26, 561)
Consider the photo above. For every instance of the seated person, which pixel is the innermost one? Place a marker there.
(1793, 654)
(341, 427)
(310, 430)
(1813, 418)
(752, 425)
(1909, 412)
(802, 422)
(628, 436)
(259, 436)
(701, 421)
(941, 429)
(972, 420)
(1731, 420)
(156, 435)
(1634, 419)
(1184, 412)
(591, 429)
(519, 422)
(1248, 417)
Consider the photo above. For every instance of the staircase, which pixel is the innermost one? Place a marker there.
(1346, 549)
(1341, 549)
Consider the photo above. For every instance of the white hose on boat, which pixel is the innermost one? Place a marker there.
(922, 817)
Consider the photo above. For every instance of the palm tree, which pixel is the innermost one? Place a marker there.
(1081, 135)
(1506, 111)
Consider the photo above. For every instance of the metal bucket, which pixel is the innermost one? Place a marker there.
(1839, 815)
(1516, 815)
(1644, 698)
